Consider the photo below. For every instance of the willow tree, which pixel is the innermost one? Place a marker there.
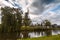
(11, 20)
(19, 21)
(6, 18)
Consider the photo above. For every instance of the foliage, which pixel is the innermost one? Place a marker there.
(47, 23)
(27, 20)
(11, 22)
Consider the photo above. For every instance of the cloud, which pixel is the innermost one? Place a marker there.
(37, 4)
(39, 9)
(55, 18)
(43, 9)
(50, 11)
(42, 5)
(5, 3)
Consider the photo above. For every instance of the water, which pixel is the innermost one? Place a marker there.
(41, 33)
(30, 34)
(55, 32)
(36, 34)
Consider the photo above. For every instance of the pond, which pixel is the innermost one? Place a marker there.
(28, 34)
(40, 33)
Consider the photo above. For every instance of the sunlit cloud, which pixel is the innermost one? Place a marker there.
(38, 9)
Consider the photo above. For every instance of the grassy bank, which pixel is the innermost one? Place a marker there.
(37, 28)
(55, 37)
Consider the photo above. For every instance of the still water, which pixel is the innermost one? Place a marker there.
(40, 33)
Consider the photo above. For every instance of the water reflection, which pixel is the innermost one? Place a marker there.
(42, 33)
(55, 32)
(28, 34)
(36, 34)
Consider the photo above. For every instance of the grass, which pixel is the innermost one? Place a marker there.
(55, 37)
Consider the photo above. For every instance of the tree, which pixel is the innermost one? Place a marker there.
(11, 20)
(27, 20)
(19, 20)
(47, 23)
(6, 18)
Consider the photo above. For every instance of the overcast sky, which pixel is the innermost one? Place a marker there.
(39, 9)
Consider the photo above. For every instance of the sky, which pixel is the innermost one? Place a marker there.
(39, 10)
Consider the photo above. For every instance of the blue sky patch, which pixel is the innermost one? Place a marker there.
(48, 1)
(56, 8)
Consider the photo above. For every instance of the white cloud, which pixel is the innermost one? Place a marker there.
(5, 3)
(38, 10)
(53, 16)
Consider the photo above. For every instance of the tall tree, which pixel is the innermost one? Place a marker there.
(19, 18)
(6, 18)
(11, 19)
(19, 21)
(27, 20)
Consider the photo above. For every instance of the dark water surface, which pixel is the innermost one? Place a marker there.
(27, 34)
(40, 33)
